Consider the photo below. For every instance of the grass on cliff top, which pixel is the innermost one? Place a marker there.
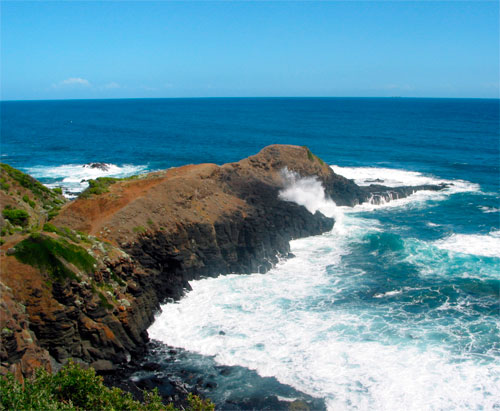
(50, 254)
(75, 236)
(312, 156)
(76, 389)
(101, 185)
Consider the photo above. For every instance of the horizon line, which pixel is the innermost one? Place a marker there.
(252, 97)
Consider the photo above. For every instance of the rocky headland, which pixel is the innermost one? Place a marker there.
(84, 279)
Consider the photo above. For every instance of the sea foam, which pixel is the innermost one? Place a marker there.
(72, 177)
(487, 245)
(365, 176)
(294, 324)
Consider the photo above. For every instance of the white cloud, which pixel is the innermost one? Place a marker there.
(72, 81)
(111, 85)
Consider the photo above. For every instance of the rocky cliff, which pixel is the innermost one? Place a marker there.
(86, 284)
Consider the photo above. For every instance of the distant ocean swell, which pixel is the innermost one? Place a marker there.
(364, 316)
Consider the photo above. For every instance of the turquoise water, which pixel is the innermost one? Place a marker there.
(396, 308)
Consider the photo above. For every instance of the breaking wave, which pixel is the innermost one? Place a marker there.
(486, 245)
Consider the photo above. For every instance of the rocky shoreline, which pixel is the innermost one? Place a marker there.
(146, 237)
(176, 372)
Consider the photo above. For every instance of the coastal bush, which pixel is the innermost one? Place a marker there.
(16, 216)
(4, 185)
(139, 229)
(98, 186)
(26, 199)
(49, 254)
(57, 190)
(25, 180)
(76, 389)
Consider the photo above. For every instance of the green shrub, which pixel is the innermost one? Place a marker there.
(16, 216)
(139, 229)
(76, 389)
(57, 190)
(49, 254)
(4, 185)
(98, 186)
(26, 198)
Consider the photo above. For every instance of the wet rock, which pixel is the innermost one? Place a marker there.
(99, 166)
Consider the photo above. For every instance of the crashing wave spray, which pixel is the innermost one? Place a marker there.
(310, 193)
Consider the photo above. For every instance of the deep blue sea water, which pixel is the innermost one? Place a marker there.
(397, 308)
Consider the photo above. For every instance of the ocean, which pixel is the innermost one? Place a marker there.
(398, 307)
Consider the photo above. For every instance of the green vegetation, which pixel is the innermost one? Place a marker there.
(4, 185)
(313, 157)
(50, 254)
(16, 216)
(76, 389)
(26, 199)
(98, 186)
(101, 185)
(62, 231)
(139, 229)
(310, 155)
(57, 190)
(53, 213)
(150, 222)
(26, 181)
(49, 199)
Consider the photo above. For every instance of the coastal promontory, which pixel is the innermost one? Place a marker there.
(83, 279)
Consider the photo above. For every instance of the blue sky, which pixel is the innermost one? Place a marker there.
(56, 50)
